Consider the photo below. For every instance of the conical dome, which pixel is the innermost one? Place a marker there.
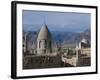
(44, 33)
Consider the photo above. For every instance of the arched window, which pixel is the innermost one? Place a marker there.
(49, 44)
(45, 43)
(39, 44)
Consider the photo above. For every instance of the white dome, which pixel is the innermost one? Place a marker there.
(84, 41)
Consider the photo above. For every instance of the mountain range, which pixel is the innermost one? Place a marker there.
(61, 37)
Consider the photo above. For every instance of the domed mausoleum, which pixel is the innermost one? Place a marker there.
(44, 41)
(84, 43)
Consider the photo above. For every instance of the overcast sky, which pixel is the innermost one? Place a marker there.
(56, 21)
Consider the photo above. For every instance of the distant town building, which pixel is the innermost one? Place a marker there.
(24, 42)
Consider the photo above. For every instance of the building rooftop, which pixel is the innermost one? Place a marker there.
(70, 45)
